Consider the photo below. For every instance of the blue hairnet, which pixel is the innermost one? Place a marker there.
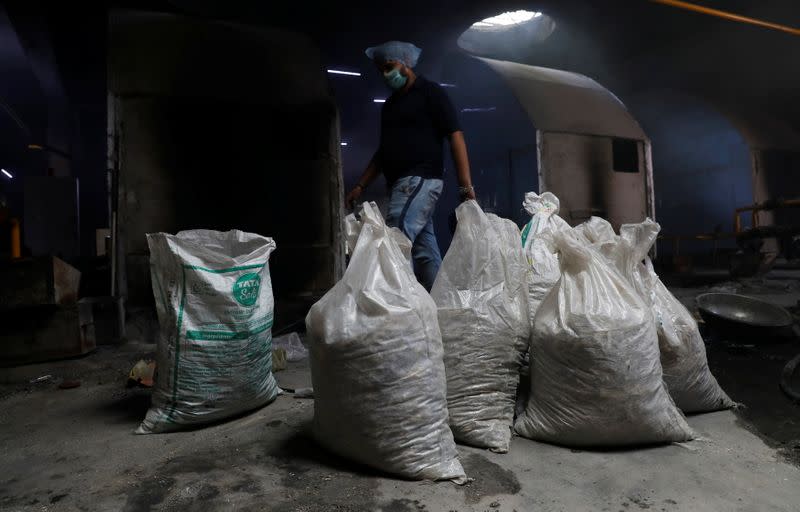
(395, 50)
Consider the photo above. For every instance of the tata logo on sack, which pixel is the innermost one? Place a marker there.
(246, 288)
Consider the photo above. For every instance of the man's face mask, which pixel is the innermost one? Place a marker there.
(394, 79)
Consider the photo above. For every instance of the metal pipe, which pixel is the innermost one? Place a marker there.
(771, 204)
(114, 245)
(728, 16)
(16, 239)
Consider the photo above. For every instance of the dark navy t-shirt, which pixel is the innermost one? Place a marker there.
(414, 125)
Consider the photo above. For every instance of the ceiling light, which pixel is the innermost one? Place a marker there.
(448, 85)
(507, 32)
(340, 72)
(344, 143)
(7, 173)
(376, 100)
(479, 109)
(508, 18)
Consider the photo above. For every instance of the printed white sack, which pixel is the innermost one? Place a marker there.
(481, 293)
(541, 255)
(376, 364)
(543, 265)
(683, 352)
(214, 302)
(595, 372)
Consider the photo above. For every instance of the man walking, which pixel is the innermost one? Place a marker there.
(415, 121)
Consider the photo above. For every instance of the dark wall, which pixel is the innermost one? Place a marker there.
(501, 140)
(81, 61)
(54, 96)
(777, 175)
(701, 166)
(222, 164)
(206, 141)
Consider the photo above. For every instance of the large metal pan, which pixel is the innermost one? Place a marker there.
(738, 316)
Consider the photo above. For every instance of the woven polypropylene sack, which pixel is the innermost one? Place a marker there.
(481, 293)
(596, 376)
(542, 257)
(596, 230)
(683, 352)
(214, 301)
(376, 364)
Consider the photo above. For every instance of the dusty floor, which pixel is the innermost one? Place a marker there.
(74, 450)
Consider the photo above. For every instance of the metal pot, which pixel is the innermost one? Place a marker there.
(739, 316)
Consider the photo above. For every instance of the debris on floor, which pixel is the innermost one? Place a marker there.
(69, 384)
(304, 393)
(142, 374)
(293, 345)
(278, 359)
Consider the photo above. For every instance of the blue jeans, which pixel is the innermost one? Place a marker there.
(412, 202)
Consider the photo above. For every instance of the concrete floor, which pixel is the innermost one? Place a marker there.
(74, 450)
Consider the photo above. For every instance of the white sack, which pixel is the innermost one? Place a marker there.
(481, 293)
(376, 364)
(352, 228)
(215, 311)
(683, 352)
(596, 230)
(539, 251)
(596, 376)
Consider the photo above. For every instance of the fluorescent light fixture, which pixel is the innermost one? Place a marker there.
(507, 19)
(448, 85)
(7, 173)
(376, 100)
(479, 109)
(340, 72)
(344, 143)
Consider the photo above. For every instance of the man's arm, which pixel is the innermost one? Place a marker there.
(363, 182)
(458, 148)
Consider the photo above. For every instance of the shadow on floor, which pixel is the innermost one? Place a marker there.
(129, 408)
(750, 374)
(301, 448)
(749, 368)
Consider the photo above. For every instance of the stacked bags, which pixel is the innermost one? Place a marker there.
(585, 302)
(683, 353)
(376, 363)
(596, 377)
(481, 293)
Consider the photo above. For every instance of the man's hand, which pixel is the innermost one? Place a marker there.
(459, 150)
(353, 195)
(466, 193)
(363, 182)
